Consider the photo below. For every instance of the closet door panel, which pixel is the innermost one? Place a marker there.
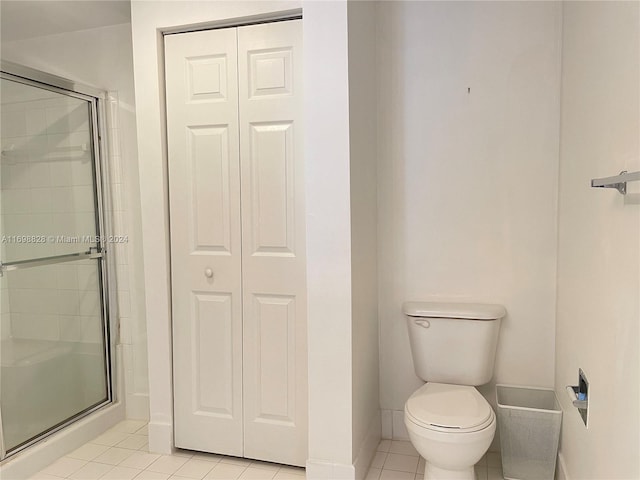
(272, 166)
(273, 232)
(204, 201)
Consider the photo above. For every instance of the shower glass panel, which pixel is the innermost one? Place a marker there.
(54, 356)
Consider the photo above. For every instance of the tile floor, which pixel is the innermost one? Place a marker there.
(122, 453)
(398, 460)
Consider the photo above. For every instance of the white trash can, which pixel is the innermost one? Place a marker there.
(529, 419)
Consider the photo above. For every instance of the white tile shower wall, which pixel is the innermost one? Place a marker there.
(109, 67)
(55, 196)
(46, 191)
(468, 109)
(129, 336)
(5, 315)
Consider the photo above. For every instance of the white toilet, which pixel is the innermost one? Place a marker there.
(453, 347)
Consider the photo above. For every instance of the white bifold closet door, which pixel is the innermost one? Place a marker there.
(236, 195)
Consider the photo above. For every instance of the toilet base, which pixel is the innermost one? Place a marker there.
(431, 472)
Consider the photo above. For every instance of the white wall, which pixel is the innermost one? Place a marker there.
(467, 189)
(328, 239)
(327, 204)
(364, 224)
(102, 58)
(598, 315)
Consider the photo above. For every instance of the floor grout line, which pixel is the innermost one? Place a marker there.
(379, 469)
(394, 459)
(117, 460)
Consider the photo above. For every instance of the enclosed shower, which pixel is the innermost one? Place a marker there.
(56, 353)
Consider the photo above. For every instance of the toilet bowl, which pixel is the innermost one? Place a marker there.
(451, 427)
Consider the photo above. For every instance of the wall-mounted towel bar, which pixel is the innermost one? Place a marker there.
(619, 182)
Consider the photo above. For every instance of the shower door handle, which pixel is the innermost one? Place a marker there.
(39, 262)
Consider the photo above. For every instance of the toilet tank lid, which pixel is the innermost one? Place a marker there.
(470, 311)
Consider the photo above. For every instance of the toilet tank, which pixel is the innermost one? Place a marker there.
(453, 342)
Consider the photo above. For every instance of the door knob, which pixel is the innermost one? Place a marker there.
(208, 273)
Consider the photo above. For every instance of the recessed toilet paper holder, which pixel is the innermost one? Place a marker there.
(579, 395)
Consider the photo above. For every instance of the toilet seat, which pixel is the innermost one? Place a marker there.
(449, 408)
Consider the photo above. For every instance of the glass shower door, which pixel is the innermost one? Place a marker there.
(54, 356)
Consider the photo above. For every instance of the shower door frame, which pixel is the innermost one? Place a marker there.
(96, 99)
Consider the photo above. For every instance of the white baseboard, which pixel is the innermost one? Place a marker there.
(368, 448)
(160, 438)
(393, 425)
(387, 423)
(317, 470)
(561, 468)
(399, 430)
